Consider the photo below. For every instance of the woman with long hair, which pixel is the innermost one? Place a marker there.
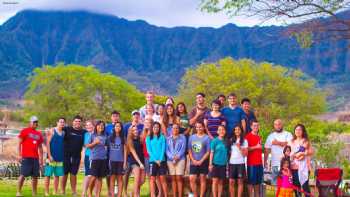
(158, 116)
(136, 156)
(169, 119)
(181, 112)
(300, 155)
(89, 126)
(117, 158)
(156, 144)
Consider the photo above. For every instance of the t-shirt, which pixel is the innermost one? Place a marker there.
(201, 117)
(87, 138)
(73, 141)
(198, 146)
(218, 146)
(99, 151)
(249, 119)
(31, 140)
(109, 129)
(184, 123)
(127, 126)
(277, 151)
(116, 149)
(254, 156)
(214, 123)
(236, 155)
(233, 116)
(143, 110)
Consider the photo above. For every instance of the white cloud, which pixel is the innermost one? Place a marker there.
(167, 13)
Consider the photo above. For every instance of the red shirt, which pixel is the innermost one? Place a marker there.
(254, 156)
(145, 152)
(31, 139)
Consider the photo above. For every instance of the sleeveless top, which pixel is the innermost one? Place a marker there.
(56, 146)
(139, 151)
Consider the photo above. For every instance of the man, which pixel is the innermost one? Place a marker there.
(234, 115)
(30, 152)
(275, 143)
(249, 114)
(115, 117)
(222, 99)
(197, 113)
(149, 101)
(73, 145)
(255, 168)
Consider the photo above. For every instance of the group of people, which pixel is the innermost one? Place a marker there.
(221, 142)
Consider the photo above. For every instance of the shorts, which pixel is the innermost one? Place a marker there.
(156, 170)
(30, 167)
(54, 168)
(99, 168)
(116, 168)
(71, 164)
(255, 174)
(218, 171)
(176, 168)
(202, 169)
(87, 165)
(237, 171)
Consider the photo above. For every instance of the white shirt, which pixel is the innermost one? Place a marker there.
(277, 151)
(236, 155)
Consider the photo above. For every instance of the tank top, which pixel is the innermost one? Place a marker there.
(56, 146)
(139, 151)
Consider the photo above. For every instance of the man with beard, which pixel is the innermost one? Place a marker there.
(275, 143)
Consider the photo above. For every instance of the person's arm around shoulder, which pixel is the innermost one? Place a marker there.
(93, 142)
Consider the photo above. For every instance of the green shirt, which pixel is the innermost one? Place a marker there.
(219, 148)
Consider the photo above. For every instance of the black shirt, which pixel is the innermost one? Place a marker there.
(73, 141)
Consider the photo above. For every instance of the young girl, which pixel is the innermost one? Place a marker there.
(98, 157)
(135, 152)
(184, 121)
(55, 156)
(218, 161)
(117, 158)
(89, 126)
(284, 180)
(156, 143)
(169, 119)
(213, 119)
(198, 151)
(286, 152)
(239, 150)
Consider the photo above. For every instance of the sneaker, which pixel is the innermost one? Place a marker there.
(18, 194)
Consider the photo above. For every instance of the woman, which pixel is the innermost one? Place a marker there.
(239, 150)
(218, 161)
(135, 152)
(198, 151)
(176, 156)
(213, 119)
(98, 157)
(181, 112)
(300, 155)
(89, 126)
(117, 158)
(156, 143)
(149, 112)
(169, 119)
(158, 117)
(169, 100)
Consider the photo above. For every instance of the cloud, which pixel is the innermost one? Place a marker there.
(167, 13)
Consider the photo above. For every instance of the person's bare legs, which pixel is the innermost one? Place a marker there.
(108, 186)
(193, 184)
(73, 183)
(91, 185)
(214, 186)
(120, 185)
(136, 172)
(203, 182)
(159, 187)
(111, 185)
(257, 190)
(174, 185)
(47, 186)
(20, 185)
(232, 183)
(179, 182)
(164, 185)
(220, 187)
(34, 185)
(56, 181)
(126, 180)
(86, 185)
(240, 187)
(64, 184)
(152, 185)
(98, 186)
(250, 190)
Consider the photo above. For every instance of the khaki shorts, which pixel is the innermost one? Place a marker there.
(176, 169)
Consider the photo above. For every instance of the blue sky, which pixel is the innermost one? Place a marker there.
(167, 13)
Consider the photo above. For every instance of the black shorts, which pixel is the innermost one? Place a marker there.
(202, 169)
(218, 172)
(87, 165)
(156, 170)
(30, 167)
(71, 164)
(116, 168)
(99, 168)
(237, 171)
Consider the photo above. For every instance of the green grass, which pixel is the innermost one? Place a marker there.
(8, 188)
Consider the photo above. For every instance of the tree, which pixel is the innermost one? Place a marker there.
(67, 90)
(275, 91)
(336, 26)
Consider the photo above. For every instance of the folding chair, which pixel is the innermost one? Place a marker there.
(328, 181)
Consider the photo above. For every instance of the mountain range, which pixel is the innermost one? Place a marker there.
(150, 56)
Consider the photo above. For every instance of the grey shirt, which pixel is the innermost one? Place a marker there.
(199, 146)
(99, 151)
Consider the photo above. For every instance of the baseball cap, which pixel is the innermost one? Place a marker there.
(33, 119)
(134, 112)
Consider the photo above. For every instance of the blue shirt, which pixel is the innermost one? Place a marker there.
(233, 118)
(56, 146)
(127, 126)
(109, 129)
(99, 151)
(176, 147)
(156, 147)
(199, 146)
(116, 149)
(219, 149)
(87, 138)
(249, 119)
